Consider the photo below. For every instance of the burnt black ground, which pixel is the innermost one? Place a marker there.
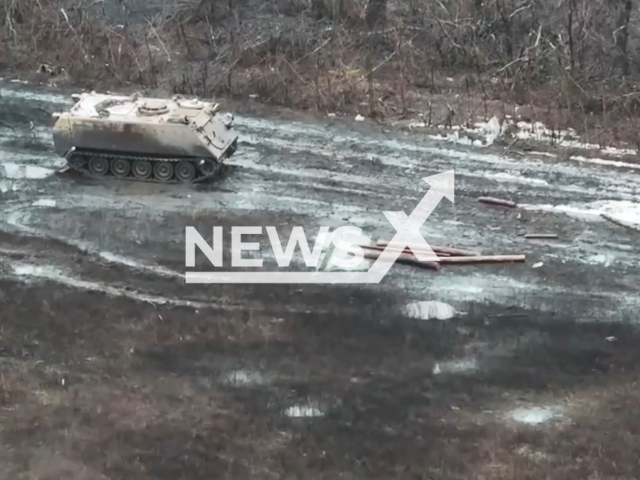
(106, 370)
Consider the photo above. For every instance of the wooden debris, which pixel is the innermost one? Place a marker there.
(497, 201)
(407, 257)
(454, 252)
(373, 254)
(541, 235)
(484, 259)
(635, 228)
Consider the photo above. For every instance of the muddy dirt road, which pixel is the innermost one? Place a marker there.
(112, 367)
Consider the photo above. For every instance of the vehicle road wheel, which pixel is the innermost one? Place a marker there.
(99, 166)
(208, 167)
(120, 167)
(142, 169)
(163, 171)
(185, 172)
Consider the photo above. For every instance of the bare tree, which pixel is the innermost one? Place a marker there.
(318, 9)
(621, 34)
(376, 12)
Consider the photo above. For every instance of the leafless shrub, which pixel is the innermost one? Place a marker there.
(577, 57)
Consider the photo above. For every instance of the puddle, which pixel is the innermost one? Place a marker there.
(430, 311)
(535, 415)
(304, 411)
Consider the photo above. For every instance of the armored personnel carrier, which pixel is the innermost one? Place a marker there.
(144, 139)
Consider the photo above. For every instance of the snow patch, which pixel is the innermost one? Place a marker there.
(239, 378)
(430, 311)
(44, 202)
(37, 96)
(503, 177)
(483, 134)
(7, 186)
(464, 365)
(535, 415)
(304, 411)
(538, 131)
(609, 163)
(15, 171)
(621, 210)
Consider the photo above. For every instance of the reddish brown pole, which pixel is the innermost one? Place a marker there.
(454, 252)
(373, 254)
(497, 201)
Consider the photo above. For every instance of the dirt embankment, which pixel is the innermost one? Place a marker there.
(452, 63)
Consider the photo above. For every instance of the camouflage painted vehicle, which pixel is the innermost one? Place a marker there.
(144, 139)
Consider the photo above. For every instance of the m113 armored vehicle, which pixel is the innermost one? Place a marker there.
(145, 139)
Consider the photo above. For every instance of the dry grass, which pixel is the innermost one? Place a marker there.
(577, 62)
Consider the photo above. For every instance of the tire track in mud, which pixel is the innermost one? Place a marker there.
(350, 178)
(411, 155)
(346, 176)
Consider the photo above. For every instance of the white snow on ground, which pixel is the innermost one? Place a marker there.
(37, 133)
(488, 133)
(239, 378)
(15, 171)
(484, 134)
(430, 311)
(463, 365)
(535, 415)
(8, 186)
(37, 96)
(609, 163)
(304, 411)
(621, 210)
(44, 202)
(538, 131)
(509, 178)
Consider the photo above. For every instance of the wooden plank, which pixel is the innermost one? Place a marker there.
(454, 252)
(483, 259)
(497, 201)
(373, 254)
(541, 235)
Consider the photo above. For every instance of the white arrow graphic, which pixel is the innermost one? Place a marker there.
(408, 228)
